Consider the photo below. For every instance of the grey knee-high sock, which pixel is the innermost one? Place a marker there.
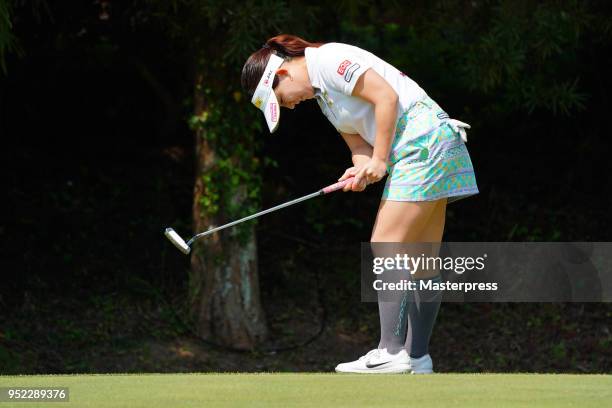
(422, 313)
(393, 313)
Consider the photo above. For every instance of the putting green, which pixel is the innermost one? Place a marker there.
(332, 390)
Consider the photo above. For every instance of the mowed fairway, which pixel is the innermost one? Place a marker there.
(331, 390)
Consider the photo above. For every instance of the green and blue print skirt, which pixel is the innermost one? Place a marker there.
(428, 159)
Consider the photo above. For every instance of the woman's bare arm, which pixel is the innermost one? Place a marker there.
(361, 151)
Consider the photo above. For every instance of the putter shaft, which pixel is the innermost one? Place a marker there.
(269, 210)
(185, 247)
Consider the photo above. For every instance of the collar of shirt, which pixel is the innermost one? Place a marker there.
(310, 53)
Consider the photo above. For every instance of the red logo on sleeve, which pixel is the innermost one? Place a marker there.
(343, 66)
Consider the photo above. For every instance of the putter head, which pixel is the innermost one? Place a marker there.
(177, 241)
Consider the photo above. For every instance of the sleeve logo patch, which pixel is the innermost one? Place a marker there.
(348, 75)
(343, 66)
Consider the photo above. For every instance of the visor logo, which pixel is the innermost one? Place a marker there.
(267, 80)
(258, 103)
(343, 66)
(273, 112)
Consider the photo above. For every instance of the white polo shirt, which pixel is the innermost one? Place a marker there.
(334, 69)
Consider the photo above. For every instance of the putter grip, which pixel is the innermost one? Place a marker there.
(337, 186)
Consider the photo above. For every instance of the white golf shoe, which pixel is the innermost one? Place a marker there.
(378, 361)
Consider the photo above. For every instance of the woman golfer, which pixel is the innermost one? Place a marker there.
(392, 128)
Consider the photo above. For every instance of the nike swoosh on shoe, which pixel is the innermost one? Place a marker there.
(376, 365)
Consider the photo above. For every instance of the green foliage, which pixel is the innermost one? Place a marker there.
(528, 53)
(222, 34)
(234, 182)
(559, 351)
(513, 56)
(8, 41)
(227, 30)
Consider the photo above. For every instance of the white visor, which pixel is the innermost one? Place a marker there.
(264, 98)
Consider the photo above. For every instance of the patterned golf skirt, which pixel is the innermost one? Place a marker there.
(429, 159)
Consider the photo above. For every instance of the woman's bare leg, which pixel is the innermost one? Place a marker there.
(402, 221)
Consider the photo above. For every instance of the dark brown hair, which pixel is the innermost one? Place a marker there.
(283, 45)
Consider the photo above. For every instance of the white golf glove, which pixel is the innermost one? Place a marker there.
(460, 127)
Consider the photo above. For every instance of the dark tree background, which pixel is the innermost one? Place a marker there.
(98, 113)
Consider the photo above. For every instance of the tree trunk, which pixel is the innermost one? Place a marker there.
(224, 284)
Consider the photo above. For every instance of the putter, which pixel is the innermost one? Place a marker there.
(185, 247)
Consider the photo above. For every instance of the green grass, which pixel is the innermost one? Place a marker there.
(334, 390)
